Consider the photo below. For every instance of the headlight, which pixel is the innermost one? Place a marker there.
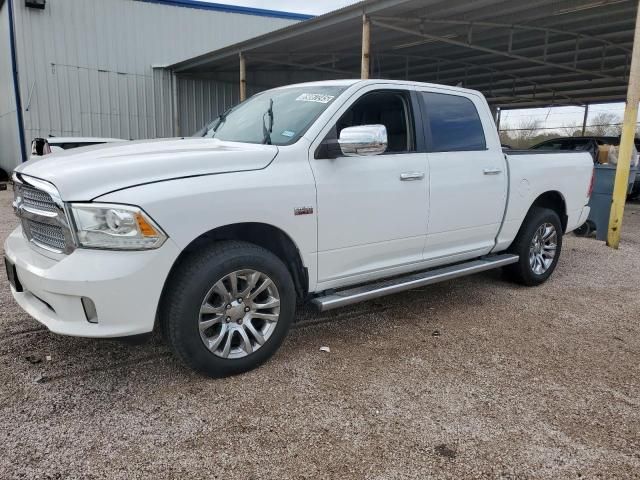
(117, 227)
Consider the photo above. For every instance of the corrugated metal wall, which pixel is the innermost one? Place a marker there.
(86, 66)
(8, 116)
(202, 100)
(163, 104)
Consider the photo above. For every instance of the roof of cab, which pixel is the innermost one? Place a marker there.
(350, 82)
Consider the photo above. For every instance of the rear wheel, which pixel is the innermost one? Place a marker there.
(538, 245)
(228, 308)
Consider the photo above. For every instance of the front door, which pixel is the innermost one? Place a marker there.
(372, 210)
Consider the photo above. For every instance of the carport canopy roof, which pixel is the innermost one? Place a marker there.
(518, 53)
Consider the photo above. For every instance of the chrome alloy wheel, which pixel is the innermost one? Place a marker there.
(542, 250)
(239, 314)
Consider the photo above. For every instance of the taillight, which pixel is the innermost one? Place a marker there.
(592, 183)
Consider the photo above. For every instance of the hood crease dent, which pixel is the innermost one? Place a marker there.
(83, 174)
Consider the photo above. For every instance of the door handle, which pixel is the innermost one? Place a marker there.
(408, 176)
(492, 171)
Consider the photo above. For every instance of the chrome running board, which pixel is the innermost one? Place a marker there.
(349, 296)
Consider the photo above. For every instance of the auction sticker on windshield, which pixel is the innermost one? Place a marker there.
(315, 97)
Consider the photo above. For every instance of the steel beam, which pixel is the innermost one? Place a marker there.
(507, 26)
(584, 119)
(488, 50)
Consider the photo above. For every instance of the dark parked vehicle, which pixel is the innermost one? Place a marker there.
(588, 144)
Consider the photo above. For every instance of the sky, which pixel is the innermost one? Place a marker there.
(551, 118)
(556, 118)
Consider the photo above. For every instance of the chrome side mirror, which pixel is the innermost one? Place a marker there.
(363, 140)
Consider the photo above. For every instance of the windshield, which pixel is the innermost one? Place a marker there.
(282, 122)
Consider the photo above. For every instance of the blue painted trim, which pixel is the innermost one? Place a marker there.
(16, 84)
(232, 9)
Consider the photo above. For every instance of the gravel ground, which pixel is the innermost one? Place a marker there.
(474, 378)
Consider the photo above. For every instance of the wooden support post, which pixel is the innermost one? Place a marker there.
(584, 119)
(243, 78)
(366, 47)
(626, 143)
(175, 108)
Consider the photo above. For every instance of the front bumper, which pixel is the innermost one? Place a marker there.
(124, 286)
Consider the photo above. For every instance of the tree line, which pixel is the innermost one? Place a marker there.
(531, 131)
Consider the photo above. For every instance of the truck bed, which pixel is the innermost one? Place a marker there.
(532, 173)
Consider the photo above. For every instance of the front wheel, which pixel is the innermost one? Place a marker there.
(228, 308)
(538, 244)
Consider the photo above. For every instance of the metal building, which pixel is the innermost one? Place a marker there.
(520, 54)
(86, 68)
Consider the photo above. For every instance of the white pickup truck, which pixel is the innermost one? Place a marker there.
(330, 192)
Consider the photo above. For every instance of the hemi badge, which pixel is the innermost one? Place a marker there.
(303, 211)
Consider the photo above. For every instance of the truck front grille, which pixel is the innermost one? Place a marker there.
(37, 199)
(46, 235)
(41, 211)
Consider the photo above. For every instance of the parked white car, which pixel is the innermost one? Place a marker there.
(318, 192)
(46, 146)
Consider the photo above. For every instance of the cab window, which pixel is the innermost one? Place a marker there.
(389, 108)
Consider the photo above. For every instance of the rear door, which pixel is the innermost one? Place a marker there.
(468, 178)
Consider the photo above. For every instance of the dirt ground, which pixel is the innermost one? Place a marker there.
(474, 378)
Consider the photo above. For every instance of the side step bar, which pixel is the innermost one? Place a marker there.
(349, 296)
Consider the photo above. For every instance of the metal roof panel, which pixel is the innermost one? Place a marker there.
(536, 52)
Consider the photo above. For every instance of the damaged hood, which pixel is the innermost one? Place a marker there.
(85, 173)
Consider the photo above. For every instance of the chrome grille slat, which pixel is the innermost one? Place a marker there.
(42, 213)
(48, 235)
(37, 199)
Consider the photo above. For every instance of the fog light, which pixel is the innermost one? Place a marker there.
(89, 310)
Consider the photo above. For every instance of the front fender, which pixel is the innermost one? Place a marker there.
(190, 207)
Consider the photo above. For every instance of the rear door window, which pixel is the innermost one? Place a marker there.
(453, 122)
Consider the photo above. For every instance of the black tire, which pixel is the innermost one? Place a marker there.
(522, 271)
(188, 286)
(584, 230)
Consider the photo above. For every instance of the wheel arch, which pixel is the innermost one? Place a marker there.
(264, 235)
(553, 200)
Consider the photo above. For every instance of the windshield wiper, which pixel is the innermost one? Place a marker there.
(266, 132)
(221, 119)
(215, 125)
